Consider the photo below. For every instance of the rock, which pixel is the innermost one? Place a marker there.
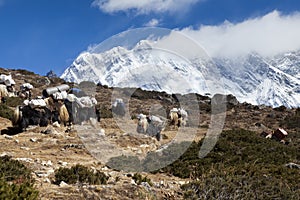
(146, 185)
(29, 160)
(293, 165)
(5, 154)
(144, 145)
(56, 124)
(105, 168)
(182, 182)
(47, 180)
(133, 148)
(44, 172)
(64, 164)
(9, 137)
(25, 148)
(133, 182)
(33, 139)
(63, 184)
(102, 132)
(41, 174)
(47, 131)
(47, 163)
(139, 151)
(17, 141)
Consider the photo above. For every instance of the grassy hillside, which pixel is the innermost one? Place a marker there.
(242, 165)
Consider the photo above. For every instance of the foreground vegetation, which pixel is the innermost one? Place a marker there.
(15, 180)
(242, 165)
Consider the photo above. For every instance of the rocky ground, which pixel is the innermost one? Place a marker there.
(45, 149)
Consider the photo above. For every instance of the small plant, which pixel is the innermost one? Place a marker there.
(17, 191)
(12, 170)
(105, 113)
(13, 101)
(138, 178)
(6, 112)
(292, 121)
(81, 174)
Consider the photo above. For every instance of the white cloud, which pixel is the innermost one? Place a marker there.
(143, 6)
(267, 35)
(152, 23)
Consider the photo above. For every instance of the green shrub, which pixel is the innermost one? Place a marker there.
(138, 178)
(14, 101)
(6, 112)
(81, 174)
(152, 162)
(17, 191)
(11, 170)
(105, 113)
(292, 121)
(16, 181)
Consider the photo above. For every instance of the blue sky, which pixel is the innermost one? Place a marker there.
(39, 35)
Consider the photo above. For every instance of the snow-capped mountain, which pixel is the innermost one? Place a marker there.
(255, 79)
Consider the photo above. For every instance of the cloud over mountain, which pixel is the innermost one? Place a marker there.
(267, 35)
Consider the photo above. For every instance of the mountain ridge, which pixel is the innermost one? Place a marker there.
(254, 79)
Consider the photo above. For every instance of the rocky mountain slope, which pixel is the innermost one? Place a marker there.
(46, 149)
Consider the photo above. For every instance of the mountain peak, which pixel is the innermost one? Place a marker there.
(252, 78)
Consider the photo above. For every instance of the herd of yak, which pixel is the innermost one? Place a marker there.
(67, 106)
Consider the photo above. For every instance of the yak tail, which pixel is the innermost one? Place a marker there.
(16, 116)
(63, 114)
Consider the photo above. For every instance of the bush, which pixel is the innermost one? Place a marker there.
(138, 178)
(17, 191)
(152, 162)
(292, 121)
(15, 180)
(6, 112)
(81, 174)
(12, 170)
(105, 113)
(14, 101)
